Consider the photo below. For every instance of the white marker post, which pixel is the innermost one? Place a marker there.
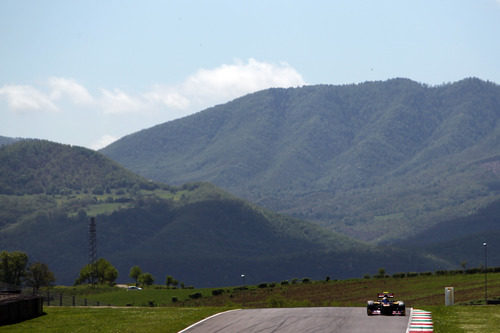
(449, 296)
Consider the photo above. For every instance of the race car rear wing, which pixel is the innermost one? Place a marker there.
(389, 295)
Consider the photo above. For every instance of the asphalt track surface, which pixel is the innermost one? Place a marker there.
(291, 320)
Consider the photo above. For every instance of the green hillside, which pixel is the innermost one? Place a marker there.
(375, 161)
(41, 167)
(196, 232)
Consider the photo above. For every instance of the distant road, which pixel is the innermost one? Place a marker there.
(300, 320)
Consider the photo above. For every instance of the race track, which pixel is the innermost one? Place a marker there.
(290, 320)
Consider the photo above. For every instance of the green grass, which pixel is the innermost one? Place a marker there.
(115, 320)
(423, 292)
(470, 319)
(415, 291)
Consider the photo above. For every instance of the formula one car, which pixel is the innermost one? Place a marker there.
(386, 305)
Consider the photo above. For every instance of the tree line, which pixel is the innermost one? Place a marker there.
(15, 269)
(103, 272)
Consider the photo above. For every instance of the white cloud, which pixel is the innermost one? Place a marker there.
(167, 96)
(213, 86)
(204, 88)
(116, 101)
(122, 112)
(103, 142)
(68, 87)
(26, 98)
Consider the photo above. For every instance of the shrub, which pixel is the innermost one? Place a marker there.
(276, 301)
(284, 282)
(217, 292)
(262, 285)
(195, 296)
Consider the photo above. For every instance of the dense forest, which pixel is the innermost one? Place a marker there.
(376, 161)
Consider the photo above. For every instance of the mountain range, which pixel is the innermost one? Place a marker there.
(377, 161)
(392, 174)
(195, 232)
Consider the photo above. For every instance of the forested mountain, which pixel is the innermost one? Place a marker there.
(196, 232)
(376, 161)
(5, 140)
(42, 167)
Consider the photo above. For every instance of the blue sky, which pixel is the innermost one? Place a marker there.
(89, 72)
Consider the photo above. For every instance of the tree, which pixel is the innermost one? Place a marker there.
(106, 273)
(13, 267)
(146, 279)
(38, 275)
(169, 280)
(135, 272)
(381, 273)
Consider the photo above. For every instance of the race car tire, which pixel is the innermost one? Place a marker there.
(369, 308)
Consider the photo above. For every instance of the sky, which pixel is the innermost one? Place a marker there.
(89, 72)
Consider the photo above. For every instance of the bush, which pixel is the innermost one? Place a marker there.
(240, 288)
(306, 280)
(262, 285)
(174, 299)
(276, 301)
(284, 282)
(217, 292)
(195, 296)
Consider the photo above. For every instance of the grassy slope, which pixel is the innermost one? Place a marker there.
(424, 292)
(419, 291)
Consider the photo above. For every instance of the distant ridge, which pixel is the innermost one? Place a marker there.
(195, 232)
(377, 160)
(42, 167)
(6, 140)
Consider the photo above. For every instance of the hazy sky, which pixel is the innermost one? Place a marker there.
(89, 72)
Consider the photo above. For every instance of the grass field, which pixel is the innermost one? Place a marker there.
(415, 291)
(470, 319)
(115, 320)
(152, 309)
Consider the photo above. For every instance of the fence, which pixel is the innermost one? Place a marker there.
(59, 299)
